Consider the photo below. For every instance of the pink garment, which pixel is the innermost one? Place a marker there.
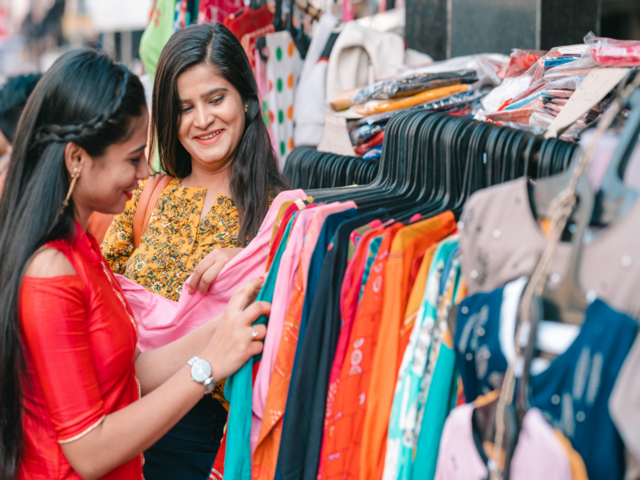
(161, 321)
(303, 237)
(539, 453)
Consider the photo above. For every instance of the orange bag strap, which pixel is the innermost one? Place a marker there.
(148, 201)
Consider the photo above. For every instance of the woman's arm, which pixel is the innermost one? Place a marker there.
(154, 367)
(95, 444)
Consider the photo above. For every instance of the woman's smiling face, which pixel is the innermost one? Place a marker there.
(212, 119)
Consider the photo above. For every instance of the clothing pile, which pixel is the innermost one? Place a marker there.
(552, 81)
(454, 87)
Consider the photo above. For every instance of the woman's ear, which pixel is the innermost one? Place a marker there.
(74, 157)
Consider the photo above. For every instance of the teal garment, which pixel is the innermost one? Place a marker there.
(239, 389)
(372, 252)
(418, 362)
(440, 401)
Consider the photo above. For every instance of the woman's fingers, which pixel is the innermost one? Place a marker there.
(261, 332)
(253, 311)
(200, 270)
(244, 295)
(209, 276)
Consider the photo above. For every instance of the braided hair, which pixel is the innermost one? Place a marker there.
(84, 98)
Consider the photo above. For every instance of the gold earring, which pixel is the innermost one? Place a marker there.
(74, 177)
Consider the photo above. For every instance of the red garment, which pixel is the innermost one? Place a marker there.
(79, 340)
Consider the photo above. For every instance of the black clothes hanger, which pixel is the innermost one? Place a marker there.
(614, 198)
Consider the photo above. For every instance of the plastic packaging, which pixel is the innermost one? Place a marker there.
(520, 61)
(373, 154)
(520, 115)
(608, 52)
(570, 83)
(409, 84)
(453, 102)
(374, 142)
(364, 132)
(380, 106)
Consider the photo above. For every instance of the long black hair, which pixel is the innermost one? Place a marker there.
(254, 169)
(84, 98)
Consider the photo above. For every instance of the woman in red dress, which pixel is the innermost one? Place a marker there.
(77, 400)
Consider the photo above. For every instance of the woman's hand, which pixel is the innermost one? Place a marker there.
(210, 267)
(234, 341)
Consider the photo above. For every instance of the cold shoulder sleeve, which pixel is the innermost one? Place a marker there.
(117, 246)
(55, 329)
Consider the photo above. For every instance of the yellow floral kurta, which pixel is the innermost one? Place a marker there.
(174, 242)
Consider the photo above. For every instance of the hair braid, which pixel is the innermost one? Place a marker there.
(76, 133)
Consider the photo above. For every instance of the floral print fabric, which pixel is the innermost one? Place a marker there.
(175, 240)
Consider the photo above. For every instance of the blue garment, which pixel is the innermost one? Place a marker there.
(573, 392)
(188, 450)
(238, 389)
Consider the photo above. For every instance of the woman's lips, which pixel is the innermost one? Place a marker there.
(214, 137)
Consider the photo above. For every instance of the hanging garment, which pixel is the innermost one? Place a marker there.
(157, 34)
(216, 11)
(283, 71)
(239, 389)
(285, 282)
(386, 365)
(443, 384)
(538, 455)
(248, 43)
(302, 431)
(248, 20)
(161, 321)
(348, 308)
(354, 49)
(407, 401)
(265, 456)
(344, 427)
(310, 103)
(573, 391)
(501, 241)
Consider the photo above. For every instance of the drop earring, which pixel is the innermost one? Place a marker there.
(246, 107)
(74, 177)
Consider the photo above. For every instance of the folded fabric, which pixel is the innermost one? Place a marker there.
(161, 321)
(379, 106)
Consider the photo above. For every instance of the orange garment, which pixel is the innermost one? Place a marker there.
(341, 454)
(385, 362)
(348, 318)
(415, 300)
(265, 456)
(380, 106)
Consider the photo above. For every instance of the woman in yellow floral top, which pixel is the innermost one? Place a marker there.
(211, 139)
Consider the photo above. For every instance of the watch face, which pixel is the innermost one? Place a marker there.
(201, 370)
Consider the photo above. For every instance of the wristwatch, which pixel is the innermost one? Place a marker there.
(201, 372)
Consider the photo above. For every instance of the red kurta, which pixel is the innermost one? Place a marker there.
(79, 340)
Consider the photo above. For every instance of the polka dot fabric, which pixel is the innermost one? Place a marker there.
(283, 72)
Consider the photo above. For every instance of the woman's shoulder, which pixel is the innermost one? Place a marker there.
(48, 262)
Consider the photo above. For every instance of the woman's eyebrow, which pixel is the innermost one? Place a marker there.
(139, 149)
(215, 90)
(210, 92)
